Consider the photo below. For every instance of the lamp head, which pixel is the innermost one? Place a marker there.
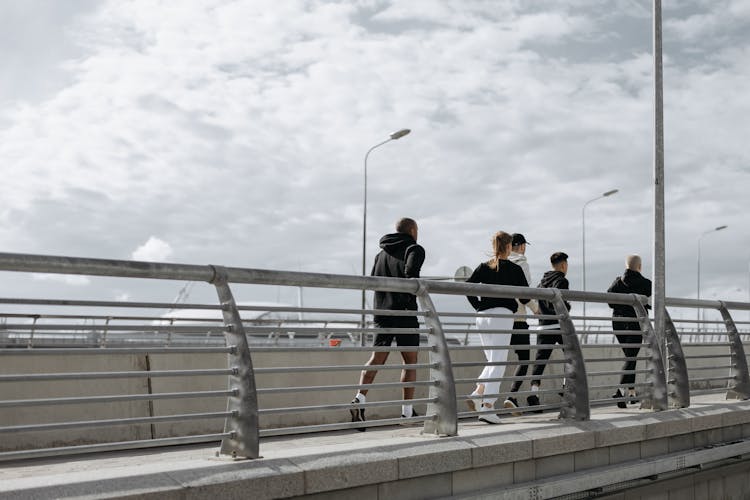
(400, 133)
(610, 193)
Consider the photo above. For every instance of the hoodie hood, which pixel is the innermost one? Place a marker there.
(550, 278)
(395, 242)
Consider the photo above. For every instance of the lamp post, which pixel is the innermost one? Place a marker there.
(698, 287)
(583, 238)
(394, 136)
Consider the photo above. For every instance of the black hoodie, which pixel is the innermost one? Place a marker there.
(630, 282)
(400, 257)
(552, 279)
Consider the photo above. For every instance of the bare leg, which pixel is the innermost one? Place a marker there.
(367, 376)
(410, 358)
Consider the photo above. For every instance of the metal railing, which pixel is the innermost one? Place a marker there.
(120, 377)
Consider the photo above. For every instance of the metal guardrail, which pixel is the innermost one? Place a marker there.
(572, 384)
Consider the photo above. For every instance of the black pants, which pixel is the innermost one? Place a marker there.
(630, 352)
(545, 337)
(523, 354)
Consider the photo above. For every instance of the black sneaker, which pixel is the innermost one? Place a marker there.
(358, 415)
(533, 400)
(619, 394)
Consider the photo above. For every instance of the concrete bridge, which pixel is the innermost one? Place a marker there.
(159, 408)
(699, 452)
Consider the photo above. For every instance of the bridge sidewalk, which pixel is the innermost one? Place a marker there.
(386, 462)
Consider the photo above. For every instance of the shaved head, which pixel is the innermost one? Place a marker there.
(633, 262)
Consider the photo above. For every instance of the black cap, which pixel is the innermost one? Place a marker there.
(558, 257)
(518, 239)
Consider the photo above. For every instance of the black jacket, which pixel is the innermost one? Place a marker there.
(400, 257)
(507, 273)
(552, 279)
(629, 282)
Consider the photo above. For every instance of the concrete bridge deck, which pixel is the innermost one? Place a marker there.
(534, 456)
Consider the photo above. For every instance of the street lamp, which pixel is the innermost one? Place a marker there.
(583, 233)
(698, 311)
(394, 136)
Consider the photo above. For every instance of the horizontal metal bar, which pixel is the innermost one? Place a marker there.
(116, 398)
(341, 368)
(304, 409)
(340, 348)
(504, 379)
(31, 377)
(108, 423)
(307, 429)
(711, 379)
(57, 351)
(501, 347)
(113, 328)
(319, 388)
(616, 372)
(698, 368)
(315, 330)
(637, 385)
(624, 358)
(118, 446)
(709, 356)
(614, 344)
(505, 363)
(107, 303)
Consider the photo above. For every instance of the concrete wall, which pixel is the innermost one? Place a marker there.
(108, 362)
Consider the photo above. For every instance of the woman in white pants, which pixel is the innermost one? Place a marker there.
(497, 271)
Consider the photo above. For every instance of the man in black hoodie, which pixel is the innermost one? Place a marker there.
(400, 257)
(551, 279)
(631, 281)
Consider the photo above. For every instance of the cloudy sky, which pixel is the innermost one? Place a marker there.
(234, 132)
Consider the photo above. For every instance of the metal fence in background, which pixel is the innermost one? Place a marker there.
(122, 377)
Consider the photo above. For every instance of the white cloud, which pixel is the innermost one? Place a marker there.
(237, 131)
(153, 250)
(67, 279)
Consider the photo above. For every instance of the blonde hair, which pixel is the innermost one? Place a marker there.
(633, 262)
(500, 242)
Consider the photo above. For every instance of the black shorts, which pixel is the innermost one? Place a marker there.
(402, 339)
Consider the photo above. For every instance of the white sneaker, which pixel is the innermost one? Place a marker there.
(488, 416)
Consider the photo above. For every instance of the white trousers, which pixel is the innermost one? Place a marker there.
(494, 355)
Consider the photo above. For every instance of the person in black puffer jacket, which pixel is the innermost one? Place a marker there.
(631, 281)
(400, 257)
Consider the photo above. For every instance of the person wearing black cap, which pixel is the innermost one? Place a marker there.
(518, 257)
(551, 279)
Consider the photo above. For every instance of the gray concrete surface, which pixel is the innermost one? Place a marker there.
(386, 462)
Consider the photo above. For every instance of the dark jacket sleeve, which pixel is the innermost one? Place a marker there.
(614, 288)
(564, 285)
(474, 278)
(413, 261)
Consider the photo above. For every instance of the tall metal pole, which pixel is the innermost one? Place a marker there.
(394, 136)
(659, 243)
(583, 242)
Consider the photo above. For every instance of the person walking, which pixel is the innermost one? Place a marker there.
(631, 281)
(518, 257)
(400, 257)
(551, 279)
(497, 271)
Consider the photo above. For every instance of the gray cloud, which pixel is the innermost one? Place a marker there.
(236, 132)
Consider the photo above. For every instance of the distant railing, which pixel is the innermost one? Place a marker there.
(121, 377)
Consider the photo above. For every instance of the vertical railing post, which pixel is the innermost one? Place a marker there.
(243, 423)
(678, 381)
(576, 390)
(741, 388)
(656, 379)
(445, 409)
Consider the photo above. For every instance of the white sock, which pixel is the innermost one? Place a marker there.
(406, 410)
(534, 388)
(360, 397)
